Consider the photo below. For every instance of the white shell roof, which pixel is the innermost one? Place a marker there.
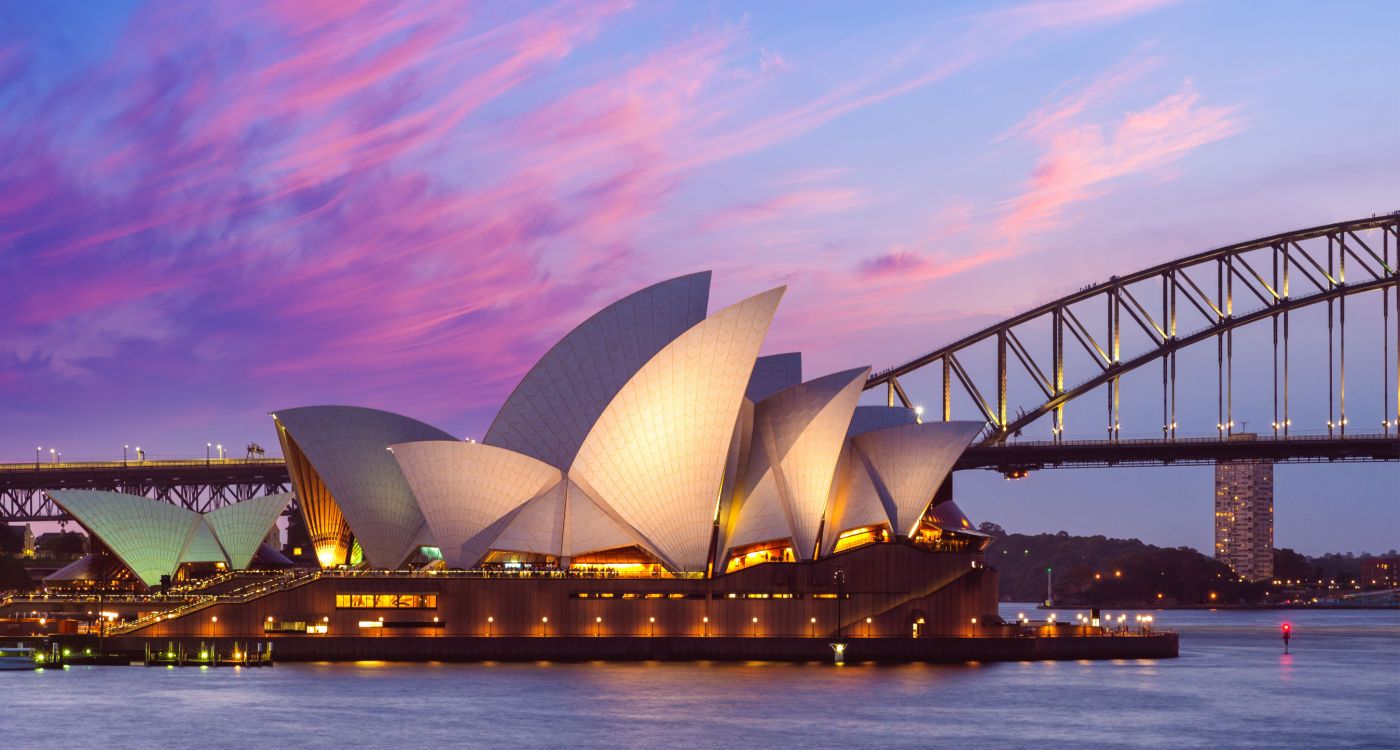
(798, 436)
(347, 446)
(869, 418)
(203, 546)
(551, 411)
(857, 506)
(470, 492)
(909, 462)
(774, 373)
(589, 528)
(761, 516)
(947, 515)
(539, 525)
(657, 453)
(148, 536)
(243, 525)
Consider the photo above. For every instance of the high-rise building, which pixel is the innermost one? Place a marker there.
(1244, 515)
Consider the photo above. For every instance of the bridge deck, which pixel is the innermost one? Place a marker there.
(206, 484)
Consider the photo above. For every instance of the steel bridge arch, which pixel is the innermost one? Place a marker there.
(1287, 258)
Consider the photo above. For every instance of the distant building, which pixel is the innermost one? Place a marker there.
(1244, 516)
(1381, 572)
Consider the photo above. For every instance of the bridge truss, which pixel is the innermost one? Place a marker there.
(1197, 299)
(199, 485)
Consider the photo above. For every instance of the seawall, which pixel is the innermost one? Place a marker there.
(582, 648)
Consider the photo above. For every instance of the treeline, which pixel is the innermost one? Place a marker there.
(1097, 570)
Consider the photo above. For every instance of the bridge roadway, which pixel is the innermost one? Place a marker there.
(204, 485)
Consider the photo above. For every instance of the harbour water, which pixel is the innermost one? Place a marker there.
(1231, 687)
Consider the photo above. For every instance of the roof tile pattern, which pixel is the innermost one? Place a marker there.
(869, 418)
(551, 411)
(589, 528)
(855, 502)
(539, 526)
(798, 436)
(347, 445)
(657, 453)
(470, 492)
(204, 546)
(907, 464)
(148, 536)
(772, 374)
(947, 515)
(243, 525)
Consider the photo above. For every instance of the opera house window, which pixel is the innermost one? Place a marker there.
(386, 601)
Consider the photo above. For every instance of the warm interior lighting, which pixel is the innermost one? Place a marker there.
(861, 537)
(772, 551)
(371, 623)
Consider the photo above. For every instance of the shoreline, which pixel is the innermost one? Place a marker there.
(1167, 607)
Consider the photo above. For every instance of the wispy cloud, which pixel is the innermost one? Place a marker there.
(404, 204)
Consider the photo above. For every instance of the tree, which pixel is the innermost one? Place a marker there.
(991, 529)
(13, 576)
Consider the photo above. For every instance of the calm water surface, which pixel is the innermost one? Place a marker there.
(1232, 687)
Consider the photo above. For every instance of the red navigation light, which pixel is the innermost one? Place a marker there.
(1287, 628)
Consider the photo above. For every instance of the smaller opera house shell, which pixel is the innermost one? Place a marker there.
(652, 439)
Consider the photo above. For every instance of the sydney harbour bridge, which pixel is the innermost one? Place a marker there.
(1117, 343)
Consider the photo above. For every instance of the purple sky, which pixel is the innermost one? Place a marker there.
(212, 210)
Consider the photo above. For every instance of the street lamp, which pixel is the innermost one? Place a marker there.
(545, 624)
(207, 448)
(53, 455)
(651, 627)
(867, 627)
(597, 626)
(489, 624)
(755, 627)
(221, 451)
(840, 578)
(37, 449)
(706, 621)
(813, 632)
(124, 450)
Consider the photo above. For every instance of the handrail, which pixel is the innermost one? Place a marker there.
(163, 463)
(255, 590)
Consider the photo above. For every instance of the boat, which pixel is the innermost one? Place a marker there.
(17, 657)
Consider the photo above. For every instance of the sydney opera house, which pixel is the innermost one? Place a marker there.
(651, 475)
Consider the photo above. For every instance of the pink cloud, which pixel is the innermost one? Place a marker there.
(1081, 161)
(392, 197)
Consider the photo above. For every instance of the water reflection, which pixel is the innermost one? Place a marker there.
(1345, 675)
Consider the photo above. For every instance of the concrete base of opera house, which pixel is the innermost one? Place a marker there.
(931, 649)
